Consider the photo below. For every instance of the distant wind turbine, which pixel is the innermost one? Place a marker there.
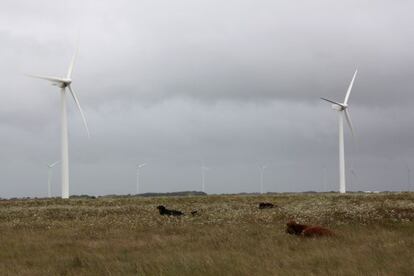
(262, 170)
(324, 179)
(203, 176)
(63, 83)
(408, 177)
(354, 177)
(138, 169)
(49, 177)
(342, 109)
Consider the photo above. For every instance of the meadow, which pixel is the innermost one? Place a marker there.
(228, 236)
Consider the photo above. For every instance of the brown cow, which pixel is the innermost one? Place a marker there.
(294, 228)
(308, 231)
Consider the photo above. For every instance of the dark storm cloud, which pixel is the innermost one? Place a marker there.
(235, 83)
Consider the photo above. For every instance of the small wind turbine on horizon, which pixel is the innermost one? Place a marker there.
(342, 109)
(354, 177)
(324, 179)
(203, 176)
(262, 170)
(408, 177)
(49, 177)
(63, 83)
(138, 168)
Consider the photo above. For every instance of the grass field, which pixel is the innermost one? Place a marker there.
(229, 236)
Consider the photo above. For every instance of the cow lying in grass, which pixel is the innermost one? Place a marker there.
(294, 228)
(165, 212)
(265, 205)
(308, 231)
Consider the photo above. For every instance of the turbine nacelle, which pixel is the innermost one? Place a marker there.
(142, 165)
(336, 105)
(263, 167)
(339, 107)
(62, 83)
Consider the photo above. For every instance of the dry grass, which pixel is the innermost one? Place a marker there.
(229, 236)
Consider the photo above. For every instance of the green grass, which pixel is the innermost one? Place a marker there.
(229, 236)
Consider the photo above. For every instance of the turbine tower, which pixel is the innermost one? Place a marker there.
(49, 177)
(139, 167)
(203, 176)
(408, 177)
(342, 109)
(262, 170)
(63, 83)
(324, 179)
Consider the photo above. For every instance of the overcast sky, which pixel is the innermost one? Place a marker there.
(233, 83)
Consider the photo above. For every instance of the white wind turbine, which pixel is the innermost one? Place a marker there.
(138, 168)
(408, 176)
(262, 170)
(342, 109)
(324, 179)
(203, 177)
(63, 83)
(49, 177)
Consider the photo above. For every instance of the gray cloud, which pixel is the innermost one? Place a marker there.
(235, 83)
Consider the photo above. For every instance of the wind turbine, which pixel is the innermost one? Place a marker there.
(203, 176)
(63, 83)
(354, 177)
(262, 170)
(408, 176)
(342, 109)
(139, 167)
(324, 179)
(49, 178)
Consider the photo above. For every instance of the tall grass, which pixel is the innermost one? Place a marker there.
(229, 236)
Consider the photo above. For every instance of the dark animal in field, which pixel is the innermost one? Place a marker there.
(194, 212)
(266, 205)
(165, 212)
(308, 231)
(294, 228)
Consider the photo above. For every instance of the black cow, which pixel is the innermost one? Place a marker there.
(265, 205)
(165, 212)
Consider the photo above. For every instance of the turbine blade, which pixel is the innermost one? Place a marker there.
(350, 88)
(72, 63)
(48, 78)
(80, 109)
(54, 164)
(332, 102)
(348, 120)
